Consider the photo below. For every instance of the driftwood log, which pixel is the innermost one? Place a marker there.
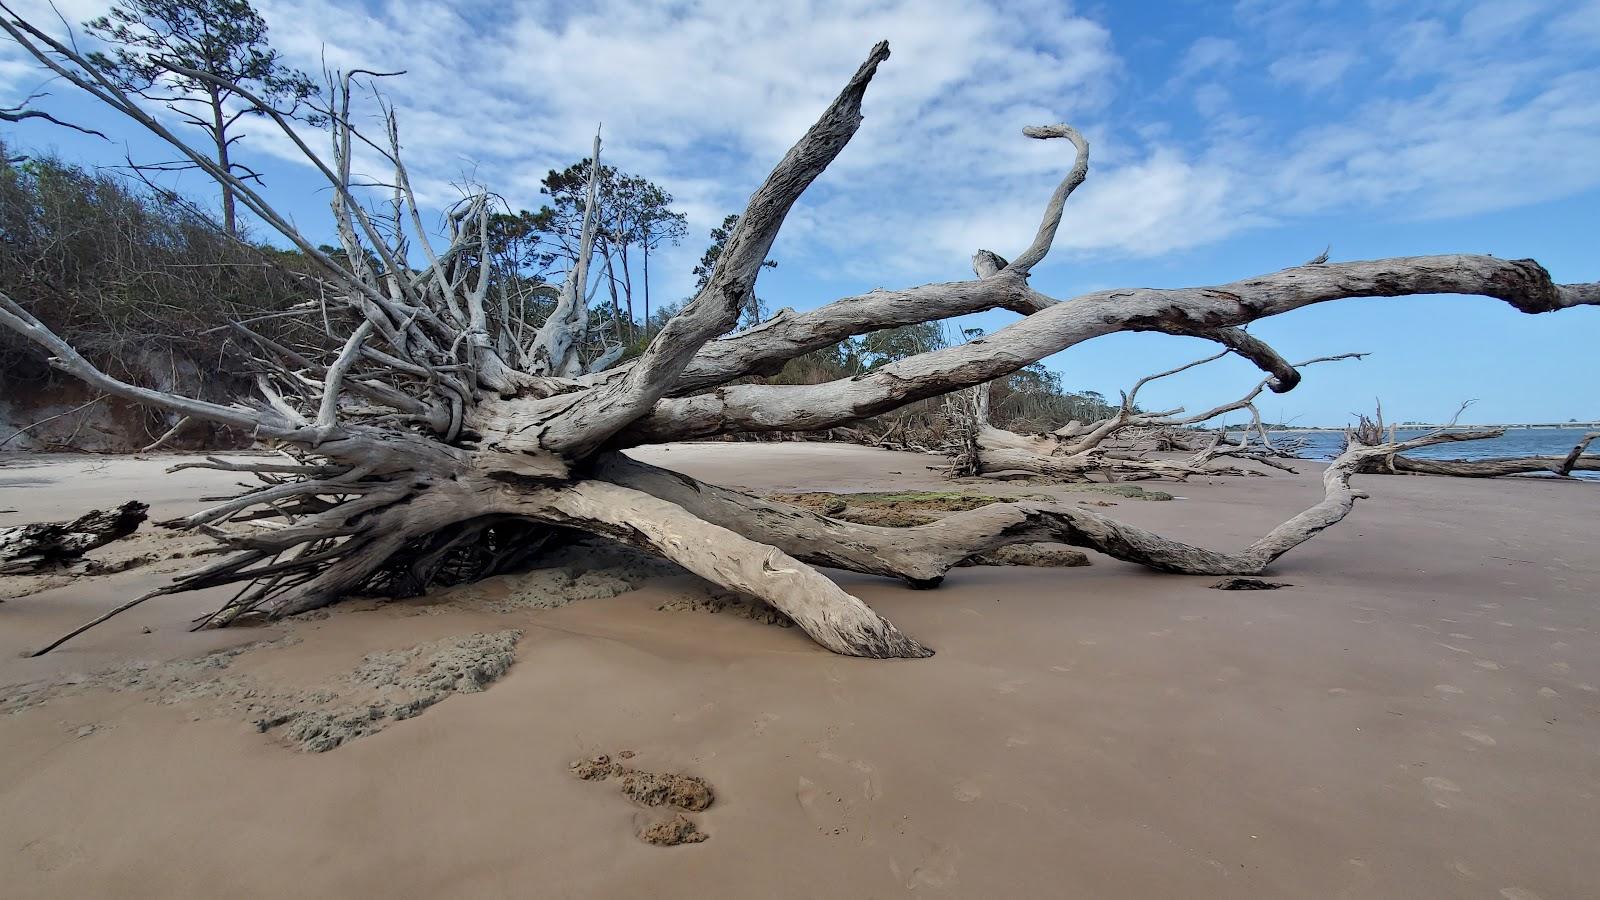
(453, 427)
(52, 546)
(1574, 461)
(1077, 450)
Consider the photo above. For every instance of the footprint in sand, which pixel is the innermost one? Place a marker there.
(1480, 737)
(823, 807)
(1448, 689)
(967, 791)
(1549, 693)
(1442, 791)
(1489, 664)
(1516, 893)
(938, 867)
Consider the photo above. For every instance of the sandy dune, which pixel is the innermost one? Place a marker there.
(1417, 716)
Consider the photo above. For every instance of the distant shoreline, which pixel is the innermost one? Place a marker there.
(1565, 426)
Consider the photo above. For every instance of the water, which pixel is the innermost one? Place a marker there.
(1325, 445)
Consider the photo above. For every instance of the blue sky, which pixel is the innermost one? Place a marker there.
(1229, 139)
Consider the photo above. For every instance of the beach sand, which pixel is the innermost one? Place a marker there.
(1417, 715)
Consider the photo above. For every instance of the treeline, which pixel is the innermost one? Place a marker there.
(139, 282)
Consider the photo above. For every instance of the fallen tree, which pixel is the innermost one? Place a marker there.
(1076, 451)
(1574, 461)
(452, 430)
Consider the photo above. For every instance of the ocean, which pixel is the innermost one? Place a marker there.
(1326, 445)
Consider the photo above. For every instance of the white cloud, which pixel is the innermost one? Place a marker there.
(1444, 112)
(1314, 71)
(1208, 54)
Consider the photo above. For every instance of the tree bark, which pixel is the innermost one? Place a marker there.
(50, 546)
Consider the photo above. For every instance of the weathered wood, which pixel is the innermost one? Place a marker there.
(1078, 450)
(1495, 467)
(50, 546)
(430, 412)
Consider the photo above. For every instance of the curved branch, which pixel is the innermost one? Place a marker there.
(1284, 374)
(18, 114)
(1058, 201)
(1524, 284)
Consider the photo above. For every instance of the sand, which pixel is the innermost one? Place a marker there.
(1415, 715)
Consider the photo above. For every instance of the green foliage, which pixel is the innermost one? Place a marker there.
(155, 40)
(124, 274)
(633, 217)
(1032, 399)
(200, 58)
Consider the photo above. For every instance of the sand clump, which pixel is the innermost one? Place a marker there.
(680, 829)
(669, 789)
(583, 570)
(539, 589)
(654, 789)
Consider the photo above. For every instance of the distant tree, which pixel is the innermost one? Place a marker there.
(654, 224)
(633, 213)
(708, 264)
(879, 348)
(199, 58)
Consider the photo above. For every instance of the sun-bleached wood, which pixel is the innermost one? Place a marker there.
(443, 428)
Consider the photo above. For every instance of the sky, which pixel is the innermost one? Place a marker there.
(1228, 139)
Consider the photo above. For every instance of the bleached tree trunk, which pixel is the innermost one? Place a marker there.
(433, 434)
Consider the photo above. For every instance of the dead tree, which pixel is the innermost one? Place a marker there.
(1574, 461)
(52, 546)
(448, 431)
(1076, 451)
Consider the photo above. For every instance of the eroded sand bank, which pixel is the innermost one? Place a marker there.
(1418, 715)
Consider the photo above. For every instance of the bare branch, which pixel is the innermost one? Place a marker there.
(1523, 284)
(1052, 211)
